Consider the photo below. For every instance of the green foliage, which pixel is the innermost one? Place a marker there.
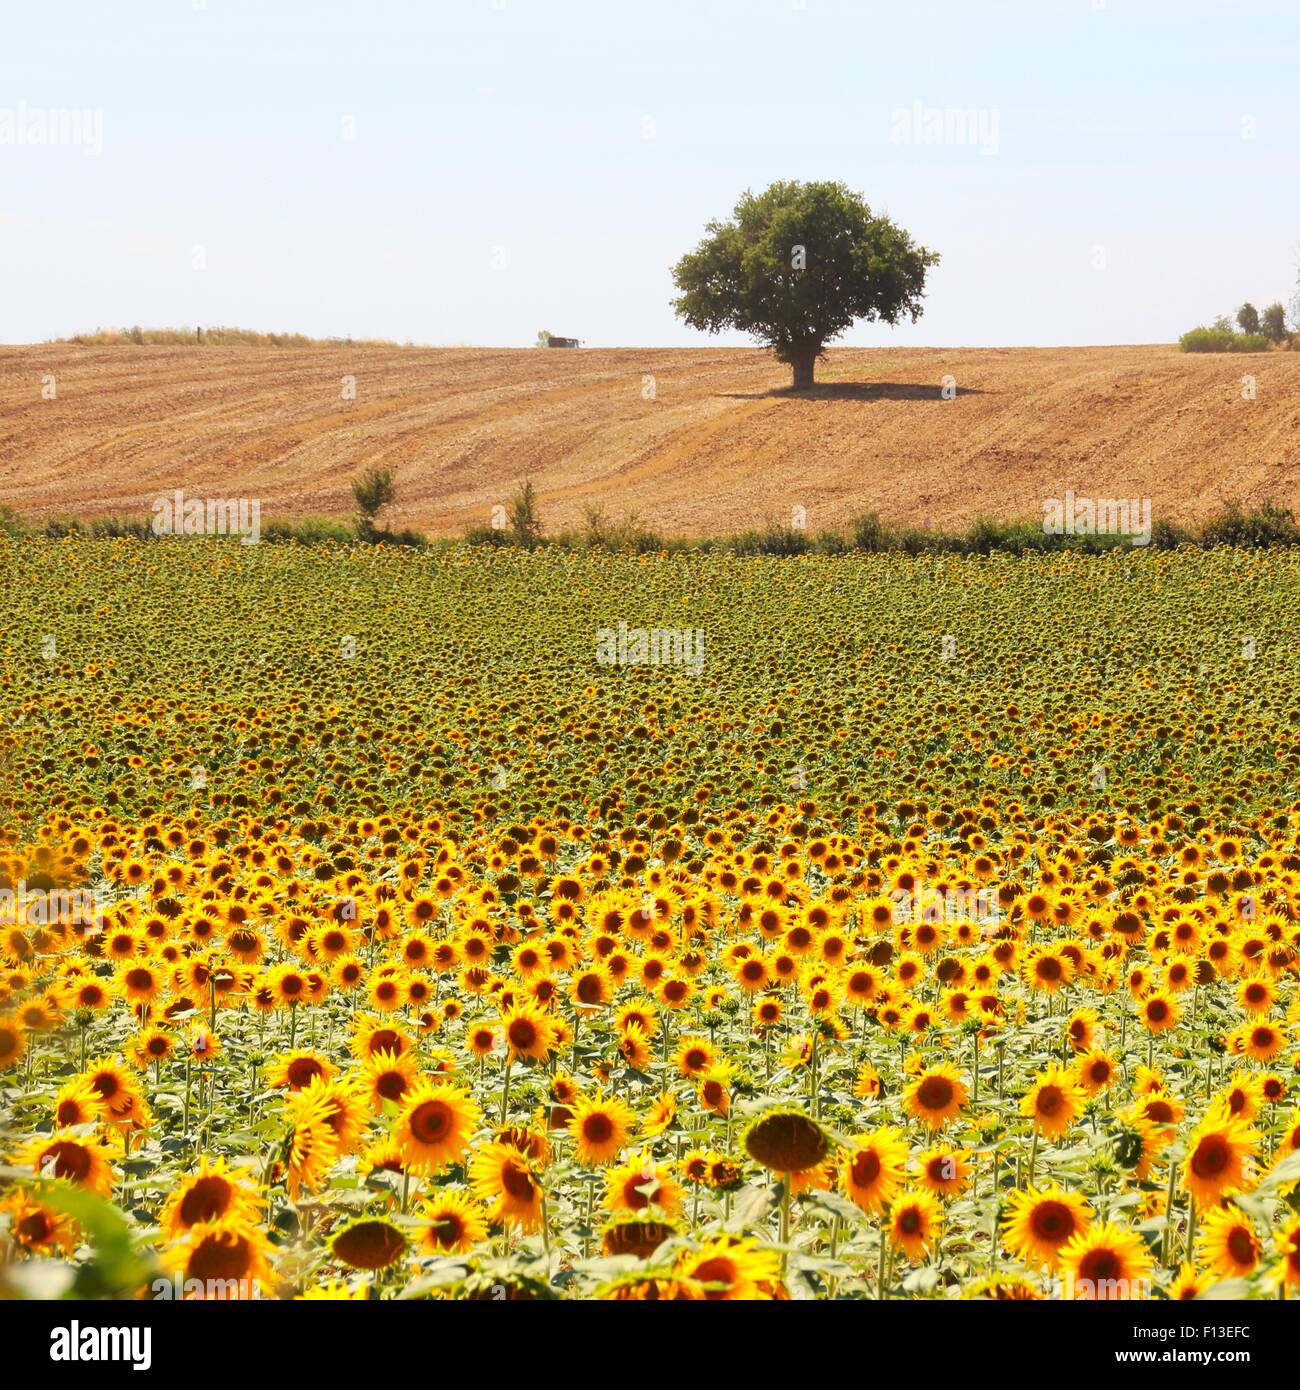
(1273, 323)
(1254, 530)
(1219, 339)
(1248, 318)
(522, 514)
(797, 265)
(372, 491)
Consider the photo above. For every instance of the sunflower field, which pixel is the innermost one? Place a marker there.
(365, 935)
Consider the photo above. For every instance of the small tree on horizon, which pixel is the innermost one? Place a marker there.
(798, 264)
(372, 491)
(1272, 323)
(525, 523)
(1248, 318)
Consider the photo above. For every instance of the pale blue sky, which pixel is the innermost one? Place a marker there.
(1166, 132)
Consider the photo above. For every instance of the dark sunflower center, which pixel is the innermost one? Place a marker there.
(207, 1200)
(1212, 1156)
(431, 1121)
(1053, 1221)
(934, 1093)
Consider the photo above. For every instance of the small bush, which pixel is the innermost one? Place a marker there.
(1222, 340)
(869, 533)
(522, 514)
(12, 524)
(1254, 530)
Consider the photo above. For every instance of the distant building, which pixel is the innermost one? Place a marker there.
(562, 342)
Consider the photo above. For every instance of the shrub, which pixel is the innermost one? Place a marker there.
(1222, 340)
(522, 514)
(869, 533)
(1268, 524)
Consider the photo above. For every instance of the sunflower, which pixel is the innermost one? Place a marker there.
(528, 1033)
(91, 994)
(77, 1103)
(1259, 1040)
(1106, 1262)
(38, 1227)
(727, 1268)
(223, 1259)
(13, 1041)
(936, 1096)
(866, 1082)
(508, 1180)
(1188, 1284)
(714, 1091)
(915, 1219)
(210, 1194)
(592, 988)
(452, 1223)
(378, 1035)
(600, 1128)
(435, 1125)
(693, 1056)
(288, 985)
(1287, 1243)
(1053, 1102)
(388, 1076)
(1158, 1011)
(1220, 1152)
(1047, 970)
(1227, 1243)
(871, 1168)
(295, 1071)
(639, 1012)
(151, 1044)
(140, 981)
(1040, 1221)
(368, 1242)
(1081, 1030)
(661, 1115)
(635, 1234)
(996, 1288)
(945, 1171)
(312, 1146)
(334, 1291)
(82, 1161)
(640, 1184)
(111, 1080)
(787, 1141)
(635, 1049)
(1094, 1072)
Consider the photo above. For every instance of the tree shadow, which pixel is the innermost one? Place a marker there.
(855, 391)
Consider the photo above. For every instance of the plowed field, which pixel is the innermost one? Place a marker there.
(714, 443)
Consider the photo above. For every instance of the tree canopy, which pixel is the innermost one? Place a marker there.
(796, 266)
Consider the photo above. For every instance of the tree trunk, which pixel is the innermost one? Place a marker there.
(801, 365)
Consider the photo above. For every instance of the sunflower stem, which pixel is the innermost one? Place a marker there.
(785, 1217)
(505, 1090)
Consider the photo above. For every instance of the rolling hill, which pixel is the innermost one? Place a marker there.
(695, 441)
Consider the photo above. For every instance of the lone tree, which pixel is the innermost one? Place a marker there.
(1248, 318)
(372, 491)
(796, 266)
(1272, 324)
